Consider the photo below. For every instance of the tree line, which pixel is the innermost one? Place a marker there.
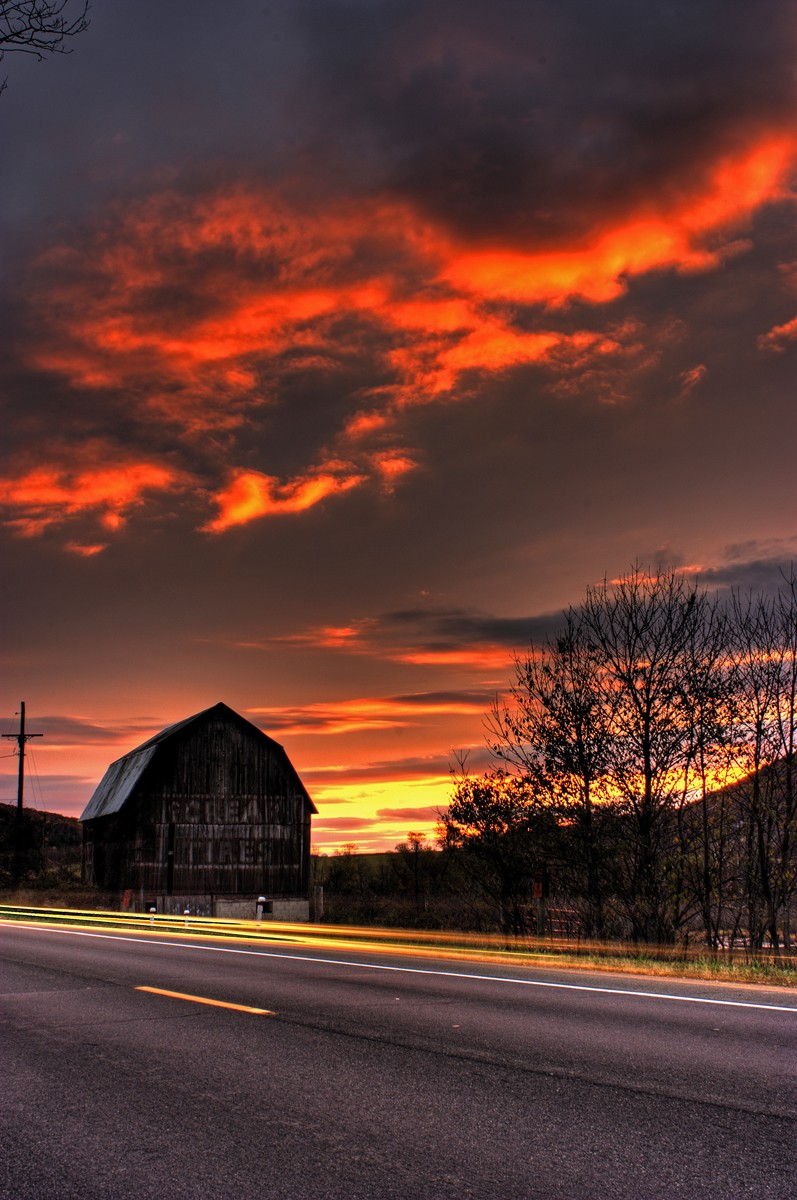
(644, 768)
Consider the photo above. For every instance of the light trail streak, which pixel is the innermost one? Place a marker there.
(457, 945)
(403, 970)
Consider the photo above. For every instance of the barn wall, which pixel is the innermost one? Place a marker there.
(219, 810)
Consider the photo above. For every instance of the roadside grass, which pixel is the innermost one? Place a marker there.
(700, 966)
(764, 971)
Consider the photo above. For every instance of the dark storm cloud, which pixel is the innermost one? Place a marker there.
(528, 112)
(452, 628)
(532, 121)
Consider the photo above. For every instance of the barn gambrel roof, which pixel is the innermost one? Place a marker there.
(119, 781)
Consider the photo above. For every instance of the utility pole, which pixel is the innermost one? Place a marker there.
(21, 738)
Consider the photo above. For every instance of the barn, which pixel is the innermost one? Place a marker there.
(206, 815)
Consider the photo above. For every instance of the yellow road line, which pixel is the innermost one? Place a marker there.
(262, 1012)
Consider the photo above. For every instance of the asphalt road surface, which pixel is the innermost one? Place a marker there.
(380, 1077)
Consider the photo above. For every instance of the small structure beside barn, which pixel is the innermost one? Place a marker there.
(209, 814)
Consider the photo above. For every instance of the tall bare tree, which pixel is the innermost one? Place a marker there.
(625, 730)
(786, 615)
(555, 729)
(705, 824)
(765, 656)
(641, 627)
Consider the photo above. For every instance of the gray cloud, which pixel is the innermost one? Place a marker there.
(765, 575)
(75, 731)
(444, 630)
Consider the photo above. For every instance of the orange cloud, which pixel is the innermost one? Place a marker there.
(737, 186)
(776, 339)
(50, 495)
(457, 656)
(354, 716)
(667, 235)
(392, 465)
(325, 637)
(390, 793)
(196, 311)
(431, 366)
(362, 425)
(250, 495)
(384, 639)
(332, 636)
(85, 549)
(313, 276)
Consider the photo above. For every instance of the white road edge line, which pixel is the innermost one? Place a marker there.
(340, 962)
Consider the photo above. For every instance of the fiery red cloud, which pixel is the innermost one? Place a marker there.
(251, 495)
(667, 232)
(41, 497)
(456, 656)
(193, 313)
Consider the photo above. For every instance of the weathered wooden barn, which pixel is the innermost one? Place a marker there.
(208, 811)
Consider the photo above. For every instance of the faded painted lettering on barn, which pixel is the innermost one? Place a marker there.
(210, 807)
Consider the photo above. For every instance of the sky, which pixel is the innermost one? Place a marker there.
(347, 343)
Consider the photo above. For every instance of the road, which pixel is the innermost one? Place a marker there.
(380, 1077)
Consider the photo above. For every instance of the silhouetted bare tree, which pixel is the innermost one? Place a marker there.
(40, 27)
(556, 730)
(649, 752)
(705, 817)
(641, 627)
(765, 652)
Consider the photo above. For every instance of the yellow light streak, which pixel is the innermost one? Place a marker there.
(260, 1012)
(439, 944)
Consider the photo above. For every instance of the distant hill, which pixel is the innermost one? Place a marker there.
(43, 842)
(772, 786)
(57, 830)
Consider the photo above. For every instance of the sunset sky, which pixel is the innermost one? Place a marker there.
(345, 343)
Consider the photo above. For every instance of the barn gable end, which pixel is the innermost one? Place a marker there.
(209, 807)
